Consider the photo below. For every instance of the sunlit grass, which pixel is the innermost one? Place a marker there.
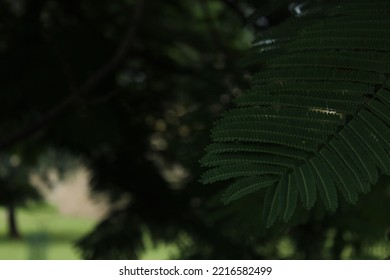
(159, 251)
(48, 235)
(45, 235)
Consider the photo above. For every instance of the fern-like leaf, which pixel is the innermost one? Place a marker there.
(317, 119)
(246, 186)
(288, 197)
(305, 183)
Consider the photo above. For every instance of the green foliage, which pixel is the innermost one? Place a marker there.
(141, 128)
(316, 120)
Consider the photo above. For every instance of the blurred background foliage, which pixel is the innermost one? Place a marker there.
(130, 89)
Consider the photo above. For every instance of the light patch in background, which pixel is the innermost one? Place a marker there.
(73, 196)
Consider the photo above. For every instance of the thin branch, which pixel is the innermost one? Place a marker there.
(105, 98)
(87, 87)
(118, 57)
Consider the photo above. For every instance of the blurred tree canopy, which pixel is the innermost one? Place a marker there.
(133, 87)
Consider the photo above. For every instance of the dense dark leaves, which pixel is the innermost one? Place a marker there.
(323, 93)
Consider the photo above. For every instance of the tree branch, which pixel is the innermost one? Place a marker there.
(103, 99)
(86, 88)
(120, 54)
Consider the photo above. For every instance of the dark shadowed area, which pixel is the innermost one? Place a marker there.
(126, 92)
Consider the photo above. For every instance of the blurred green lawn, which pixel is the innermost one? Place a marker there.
(42, 224)
(58, 234)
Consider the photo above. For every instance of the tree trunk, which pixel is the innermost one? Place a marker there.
(13, 231)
